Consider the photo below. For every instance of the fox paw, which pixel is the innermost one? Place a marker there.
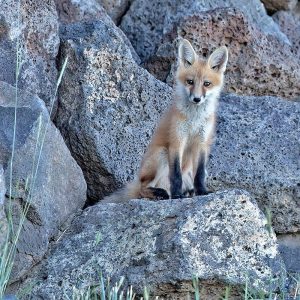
(203, 193)
(178, 196)
(189, 193)
(159, 194)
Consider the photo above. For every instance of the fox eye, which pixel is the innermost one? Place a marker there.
(207, 83)
(190, 81)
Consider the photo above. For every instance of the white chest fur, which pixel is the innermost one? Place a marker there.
(198, 120)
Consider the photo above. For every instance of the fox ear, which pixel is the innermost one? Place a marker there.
(186, 53)
(218, 59)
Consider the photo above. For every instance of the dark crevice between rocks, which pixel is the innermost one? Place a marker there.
(119, 21)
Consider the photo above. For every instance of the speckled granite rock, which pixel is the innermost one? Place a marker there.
(57, 190)
(108, 119)
(257, 149)
(146, 22)
(38, 45)
(219, 238)
(258, 64)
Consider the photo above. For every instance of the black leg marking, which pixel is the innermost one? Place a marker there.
(159, 194)
(175, 179)
(199, 180)
(189, 193)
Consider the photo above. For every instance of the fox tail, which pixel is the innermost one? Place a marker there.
(130, 191)
(135, 190)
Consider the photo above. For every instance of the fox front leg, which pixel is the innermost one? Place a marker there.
(200, 177)
(175, 175)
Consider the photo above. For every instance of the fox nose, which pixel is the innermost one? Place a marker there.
(197, 100)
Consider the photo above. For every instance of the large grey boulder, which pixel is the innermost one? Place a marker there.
(258, 148)
(259, 64)
(35, 28)
(146, 22)
(108, 105)
(48, 180)
(221, 238)
(74, 11)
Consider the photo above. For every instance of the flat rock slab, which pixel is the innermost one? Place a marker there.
(222, 237)
(44, 175)
(258, 149)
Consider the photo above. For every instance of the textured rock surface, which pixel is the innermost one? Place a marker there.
(38, 41)
(258, 148)
(258, 64)
(289, 24)
(116, 8)
(74, 11)
(289, 247)
(3, 221)
(108, 119)
(146, 21)
(275, 5)
(71, 11)
(57, 190)
(220, 237)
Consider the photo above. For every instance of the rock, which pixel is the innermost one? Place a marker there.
(289, 24)
(258, 64)
(74, 11)
(289, 247)
(276, 5)
(257, 149)
(37, 35)
(54, 191)
(3, 221)
(108, 119)
(116, 8)
(219, 238)
(146, 22)
(70, 11)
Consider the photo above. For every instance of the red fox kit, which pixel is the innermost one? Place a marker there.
(174, 164)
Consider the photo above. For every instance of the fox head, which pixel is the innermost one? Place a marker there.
(197, 80)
